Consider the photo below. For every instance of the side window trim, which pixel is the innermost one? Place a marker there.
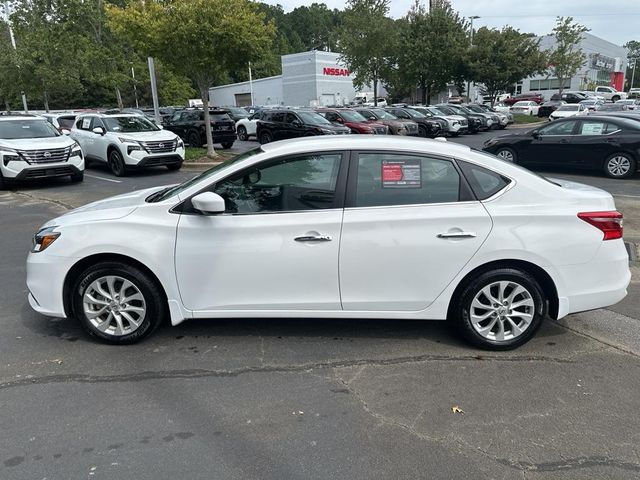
(466, 193)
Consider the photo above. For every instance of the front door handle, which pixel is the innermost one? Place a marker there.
(313, 238)
(457, 235)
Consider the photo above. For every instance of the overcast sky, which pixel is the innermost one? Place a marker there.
(616, 21)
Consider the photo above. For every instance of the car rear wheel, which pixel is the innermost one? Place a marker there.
(265, 137)
(422, 131)
(194, 140)
(507, 154)
(117, 303)
(620, 165)
(615, 98)
(499, 310)
(3, 182)
(116, 164)
(242, 133)
(227, 145)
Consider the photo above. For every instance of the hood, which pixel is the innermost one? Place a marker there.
(38, 143)
(108, 209)
(564, 113)
(333, 127)
(148, 136)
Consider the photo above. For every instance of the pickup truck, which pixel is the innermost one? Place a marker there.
(610, 94)
(527, 97)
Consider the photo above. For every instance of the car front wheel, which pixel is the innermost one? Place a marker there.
(194, 140)
(265, 137)
(116, 164)
(117, 302)
(507, 154)
(499, 310)
(620, 165)
(227, 145)
(242, 134)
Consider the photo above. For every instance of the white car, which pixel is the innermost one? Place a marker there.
(62, 121)
(502, 108)
(126, 141)
(30, 148)
(246, 127)
(419, 229)
(610, 94)
(569, 110)
(525, 108)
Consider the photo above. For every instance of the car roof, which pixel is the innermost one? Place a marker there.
(365, 142)
(20, 117)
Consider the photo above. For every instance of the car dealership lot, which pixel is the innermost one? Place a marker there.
(307, 398)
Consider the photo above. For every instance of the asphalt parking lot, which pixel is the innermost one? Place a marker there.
(309, 399)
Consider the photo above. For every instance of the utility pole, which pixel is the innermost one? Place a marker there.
(135, 89)
(251, 84)
(472, 18)
(13, 44)
(154, 91)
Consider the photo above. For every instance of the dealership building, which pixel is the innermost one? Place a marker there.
(314, 78)
(605, 64)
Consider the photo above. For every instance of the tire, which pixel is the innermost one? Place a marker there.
(77, 177)
(422, 131)
(499, 327)
(113, 326)
(3, 183)
(615, 98)
(265, 137)
(507, 154)
(227, 145)
(116, 164)
(174, 166)
(194, 140)
(242, 133)
(620, 165)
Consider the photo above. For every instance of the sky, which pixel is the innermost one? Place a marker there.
(617, 22)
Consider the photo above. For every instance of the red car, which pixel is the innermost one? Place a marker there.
(353, 120)
(527, 97)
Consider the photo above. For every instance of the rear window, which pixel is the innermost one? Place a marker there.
(66, 122)
(484, 182)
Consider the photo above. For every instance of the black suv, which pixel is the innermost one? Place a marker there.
(282, 124)
(236, 113)
(189, 125)
(427, 127)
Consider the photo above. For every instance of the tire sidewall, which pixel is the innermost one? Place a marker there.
(194, 139)
(116, 164)
(507, 149)
(242, 133)
(152, 297)
(632, 163)
(462, 306)
(265, 137)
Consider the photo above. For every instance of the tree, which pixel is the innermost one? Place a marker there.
(366, 41)
(500, 58)
(435, 44)
(566, 58)
(8, 68)
(315, 25)
(201, 39)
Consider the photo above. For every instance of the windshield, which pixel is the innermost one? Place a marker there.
(27, 128)
(568, 108)
(313, 118)
(414, 113)
(475, 108)
(465, 109)
(447, 111)
(171, 191)
(240, 112)
(129, 124)
(383, 114)
(352, 116)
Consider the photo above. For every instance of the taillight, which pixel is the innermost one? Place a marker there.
(609, 222)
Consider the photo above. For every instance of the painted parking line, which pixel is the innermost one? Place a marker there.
(102, 178)
(625, 196)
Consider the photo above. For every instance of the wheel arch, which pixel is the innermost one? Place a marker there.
(86, 262)
(539, 274)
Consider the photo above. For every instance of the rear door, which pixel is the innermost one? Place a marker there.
(594, 142)
(411, 224)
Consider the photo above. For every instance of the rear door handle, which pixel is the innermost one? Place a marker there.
(457, 235)
(313, 238)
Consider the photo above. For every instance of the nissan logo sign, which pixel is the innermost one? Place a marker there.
(161, 145)
(47, 154)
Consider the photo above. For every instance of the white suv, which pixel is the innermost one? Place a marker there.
(126, 141)
(30, 147)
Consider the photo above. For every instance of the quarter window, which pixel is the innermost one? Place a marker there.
(301, 183)
(386, 179)
(483, 182)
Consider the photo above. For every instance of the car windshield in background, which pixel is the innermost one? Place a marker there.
(476, 109)
(241, 112)
(521, 104)
(352, 116)
(568, 108)
(219, 117)
(313, 118)
(445, 111)
(66, 122)
(19, 129)
(129, 124)
(415, 113)
(383, 114)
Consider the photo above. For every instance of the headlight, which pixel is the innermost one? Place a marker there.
(44, 238)
(180, 143)
(326, 131)
(76, 151)
(490, 142)
(9, 155)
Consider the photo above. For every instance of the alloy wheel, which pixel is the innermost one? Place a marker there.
(618, 166)
(502, 311)
(114, 305)
(506, 155)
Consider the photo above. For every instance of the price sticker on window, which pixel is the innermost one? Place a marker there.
(401, 174)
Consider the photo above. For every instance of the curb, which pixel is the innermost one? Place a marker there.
(199, 165)
(526, 125)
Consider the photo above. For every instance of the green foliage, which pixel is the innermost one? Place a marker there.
(500, 58)
(367, 41)
(566, 58)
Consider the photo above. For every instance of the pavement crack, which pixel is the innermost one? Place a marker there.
(59, 203)
(204, 373)
(571, 464)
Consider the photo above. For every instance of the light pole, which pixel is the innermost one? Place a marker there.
(472, 18)
(135, 89)
(633, 72)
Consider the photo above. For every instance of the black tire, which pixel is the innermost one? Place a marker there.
(615, 98)
(116, 164)
(242, 133)
(265, 137)
(194, 139)
(3, 182)
(504, 152)
(619, 173)
(460, 310)
(454, 134)
(174, 166)
(154, 301)
(77, 177)
(227, 145)
(422, 131)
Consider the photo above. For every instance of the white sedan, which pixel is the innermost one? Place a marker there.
(569, 110)
(525, 108)
(382, 227)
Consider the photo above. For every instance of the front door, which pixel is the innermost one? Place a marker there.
(551, 145)
(276, 246)
(410, 226)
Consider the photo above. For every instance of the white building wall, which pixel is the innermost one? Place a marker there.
(266, 91)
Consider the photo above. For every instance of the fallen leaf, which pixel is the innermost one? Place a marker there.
(457, 409)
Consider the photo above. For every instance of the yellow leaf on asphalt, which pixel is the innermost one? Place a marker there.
(457, 409)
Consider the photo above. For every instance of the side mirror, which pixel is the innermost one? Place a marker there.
(160, 126)
(208, 203)
(99, 131)
(535, 134)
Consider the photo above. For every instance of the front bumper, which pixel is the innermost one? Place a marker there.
(20, 170)
(141, 158)
(45, 282)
